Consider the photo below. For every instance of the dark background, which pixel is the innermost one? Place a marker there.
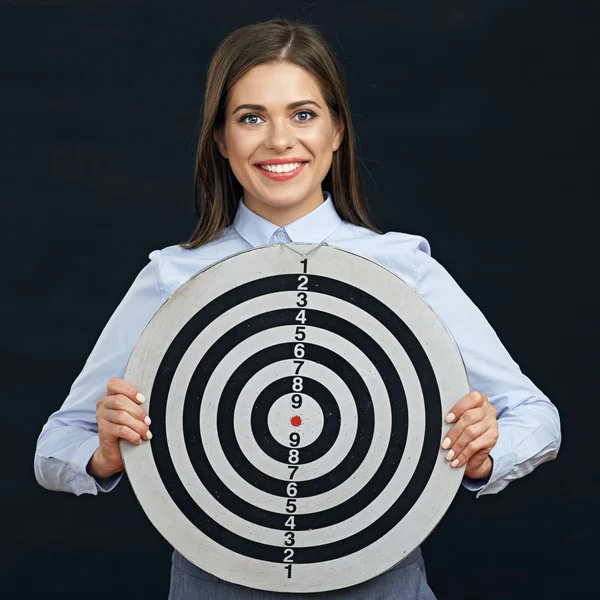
(478, 128)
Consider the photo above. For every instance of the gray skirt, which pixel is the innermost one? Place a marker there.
(406, 581)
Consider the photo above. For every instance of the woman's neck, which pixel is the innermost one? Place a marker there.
(282, 215)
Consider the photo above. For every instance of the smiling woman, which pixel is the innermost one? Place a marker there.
(276, 164)
(275, 96)
(301, 142)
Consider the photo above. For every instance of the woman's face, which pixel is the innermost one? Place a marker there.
(277, 111)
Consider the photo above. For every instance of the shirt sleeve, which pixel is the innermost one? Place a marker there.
(528, 423)
(70, 437)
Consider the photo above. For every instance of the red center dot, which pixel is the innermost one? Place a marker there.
(296, 421)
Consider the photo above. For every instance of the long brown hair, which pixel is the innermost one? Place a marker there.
(216, 190)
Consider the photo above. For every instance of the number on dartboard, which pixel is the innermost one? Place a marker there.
(290, 538)
(291, 522)
(305, 264)
(297, 386)
(302, 299)
(288, 554)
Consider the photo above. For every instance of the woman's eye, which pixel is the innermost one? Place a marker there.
(251, 116)
(306, 112)
(245, 118)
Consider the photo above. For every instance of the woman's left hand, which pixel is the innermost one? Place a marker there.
(474, 434)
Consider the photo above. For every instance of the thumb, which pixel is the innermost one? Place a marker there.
(475, 463)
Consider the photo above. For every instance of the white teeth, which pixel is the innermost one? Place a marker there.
(280, 168)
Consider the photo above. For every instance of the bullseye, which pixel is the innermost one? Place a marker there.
(296, 421)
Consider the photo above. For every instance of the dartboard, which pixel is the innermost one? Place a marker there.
(297, 394)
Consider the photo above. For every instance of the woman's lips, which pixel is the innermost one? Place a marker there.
(282, 176)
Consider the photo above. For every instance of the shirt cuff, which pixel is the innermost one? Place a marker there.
(84, 483)
(476, 485)
(497, 480)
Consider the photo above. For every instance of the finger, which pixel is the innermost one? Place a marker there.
(470, 417)
(484, 442)
(469, 433)
(471, 400)
(120, 386)
(121, 402)
(121, 417)
(117, 431)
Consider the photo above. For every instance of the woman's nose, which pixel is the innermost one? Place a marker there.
(280, 136)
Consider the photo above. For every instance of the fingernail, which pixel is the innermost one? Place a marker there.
(446, 443)
(450, 455)
(450, 418)
(147, 420)
(149, 435)
(140, 398)
(455, 463)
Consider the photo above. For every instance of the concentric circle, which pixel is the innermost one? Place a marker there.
(274, 423)
(277, 425)
(296, 394)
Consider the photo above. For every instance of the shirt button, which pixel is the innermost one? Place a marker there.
(280, 235)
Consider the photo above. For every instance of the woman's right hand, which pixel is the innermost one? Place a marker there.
(119, 416)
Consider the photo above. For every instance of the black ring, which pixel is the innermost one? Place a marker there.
(320, 394)
(228, 440)
(418, 357)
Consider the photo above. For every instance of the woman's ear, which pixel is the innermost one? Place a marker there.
(218, 137)
(339, 134)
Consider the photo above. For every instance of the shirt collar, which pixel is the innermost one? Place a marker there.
(312, 228)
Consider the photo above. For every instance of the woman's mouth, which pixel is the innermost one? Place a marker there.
(282, 172)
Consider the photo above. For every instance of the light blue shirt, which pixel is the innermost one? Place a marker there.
(529, 425)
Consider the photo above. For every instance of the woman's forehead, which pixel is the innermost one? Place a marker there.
(275, 86)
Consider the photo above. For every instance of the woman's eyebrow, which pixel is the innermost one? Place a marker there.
(260, 107)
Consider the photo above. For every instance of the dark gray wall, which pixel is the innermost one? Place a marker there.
(478, 129)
